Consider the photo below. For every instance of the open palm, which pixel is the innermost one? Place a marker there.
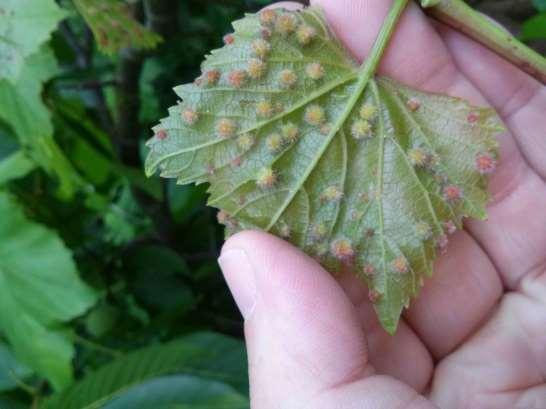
(475, 338)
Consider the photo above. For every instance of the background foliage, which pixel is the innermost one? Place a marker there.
(110, 296)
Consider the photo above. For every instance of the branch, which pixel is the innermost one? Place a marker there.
(83, 53)
(79, 50)
(457, 14)
(90, 84)
(161, 17)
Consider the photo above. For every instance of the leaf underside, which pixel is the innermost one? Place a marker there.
(374, 182)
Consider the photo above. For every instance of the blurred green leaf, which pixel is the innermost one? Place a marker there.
(24, 26)
(114, 27)
(163, 291)
(534, 28)
(124, 219)
(209, 356)
(184, 201)
(180, 392)
(154, 258)
(540, 4)
(149, 97)
(39, 290)
(10, 403)
(24, 110)
(101, 320)
(10, 369)
(8, 143)
(15, 166)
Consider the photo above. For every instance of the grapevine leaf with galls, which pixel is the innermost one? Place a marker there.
(374, 181)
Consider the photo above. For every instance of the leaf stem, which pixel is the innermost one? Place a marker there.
(369, 66)
(457, 14)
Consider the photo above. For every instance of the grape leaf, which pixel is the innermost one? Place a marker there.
(374, 182)
(114, 27)
(24, 26)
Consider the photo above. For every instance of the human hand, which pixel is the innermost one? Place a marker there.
(475, 337)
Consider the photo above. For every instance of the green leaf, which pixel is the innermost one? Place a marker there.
(180, 392)
(11, 370)
(24, 110)
(114, 27)
(185, 201)
(39, 290)
(540, 5)
(373, 182)
(124, 219)
(534, 28)
(101, 320)
(209, 356)
(15, 166)
(24, 26)
(7, 402)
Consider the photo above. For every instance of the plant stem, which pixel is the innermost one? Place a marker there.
(369, 66)
(457, 14)
(97, 347)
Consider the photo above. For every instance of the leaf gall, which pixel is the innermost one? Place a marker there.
(266, 178)
(342, 249)
(226, 128)
(261, 48)
(361, 129)
(485, 163)
(256, 68)
(189, 116)
(237, 78)
(305, 34)
(287, 78)
(315, 71)
(314, 115)
(286, 24)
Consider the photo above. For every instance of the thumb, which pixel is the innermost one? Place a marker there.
(305, 342)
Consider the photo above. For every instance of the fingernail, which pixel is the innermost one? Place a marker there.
(239, 276)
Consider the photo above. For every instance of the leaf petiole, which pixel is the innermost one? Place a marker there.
(460, 16)
(369, 66)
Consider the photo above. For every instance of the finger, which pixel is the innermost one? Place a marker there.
(357, 23)
(402, 355)
(520, 99)
(303, 335)
(301, 330)
(459, 297)
(504, 364)
(288, 5)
